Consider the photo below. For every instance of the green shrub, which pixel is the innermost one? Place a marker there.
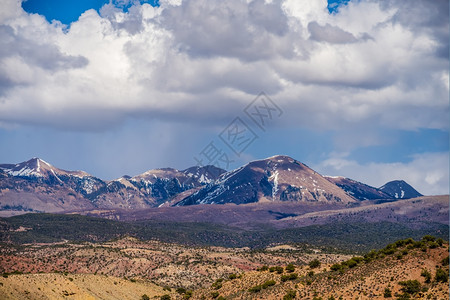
(290, 268)
(290, 295)
(358, 259)
(410, 286)
(389, 251)
(232, 276)
(351, 263)
(214, 295)
(441, 275)
(279, 269)
(287, 277)
(445, 261)
(165, 297)
(315, 263)
(188, 295)
(268, 283)
(263, 268)
(255, 289)
(368, 257)
(217, 284)
(433, 245)
(336, 267)
(145, 297)
(427, 275)
(418, 244)
(428, 238)
(387, 293)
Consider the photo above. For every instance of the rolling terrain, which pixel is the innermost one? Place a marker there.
(132, 269)
(204, 233)
(348, 235)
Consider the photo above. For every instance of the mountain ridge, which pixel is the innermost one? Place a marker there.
(277, 178)
(36, 185)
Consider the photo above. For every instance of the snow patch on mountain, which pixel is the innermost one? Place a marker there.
(24, 172)
(274, 178)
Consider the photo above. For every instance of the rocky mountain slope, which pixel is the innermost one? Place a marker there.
(278, 178)
(37, 186)
(399, 189)
(357, 189)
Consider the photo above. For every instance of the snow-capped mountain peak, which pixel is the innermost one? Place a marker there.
(399, 189)
(30, 168)
(277, 178)
(38, 168)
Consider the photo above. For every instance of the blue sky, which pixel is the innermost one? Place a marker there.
(130, 86)
(68, 11)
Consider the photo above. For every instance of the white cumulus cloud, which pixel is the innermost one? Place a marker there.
(427, 172)
(378, 61)
(372, 67)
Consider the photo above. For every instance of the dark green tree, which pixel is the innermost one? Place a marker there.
(315, 263)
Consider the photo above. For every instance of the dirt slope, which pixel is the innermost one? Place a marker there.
(75, 286)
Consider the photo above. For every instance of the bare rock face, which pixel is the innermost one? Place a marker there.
(278, 178)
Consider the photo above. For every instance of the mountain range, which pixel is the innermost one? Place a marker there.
(37, 186)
